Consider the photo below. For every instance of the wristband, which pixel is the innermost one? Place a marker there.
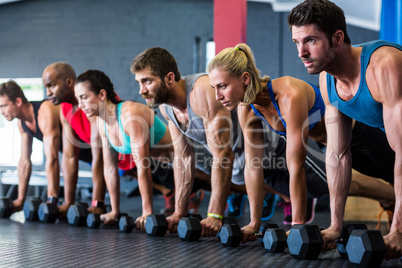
(97, 204)
(216, 216)
(294, 222)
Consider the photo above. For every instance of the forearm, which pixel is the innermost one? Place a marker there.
(220, 184)
(183, 180)
(53, 175)
(255, 190)
(298, 194)
(145, 185)
(70, 177)
(24, 173)
(397, 220)
(98, 181)
(113, 185)
(339, 175)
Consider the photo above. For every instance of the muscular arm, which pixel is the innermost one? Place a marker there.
(111, 174)
(338, 163)
(384, 81)
(49, 124)
(137, 122)
(294, 108)
(183, 170)
(99, 186)
(218, 130)
(253, 172)
(69, 160)
(24, 168)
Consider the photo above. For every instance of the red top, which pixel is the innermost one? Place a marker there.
(81, 126)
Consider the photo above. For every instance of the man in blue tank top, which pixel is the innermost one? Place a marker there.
(360, 82)
(37, 119)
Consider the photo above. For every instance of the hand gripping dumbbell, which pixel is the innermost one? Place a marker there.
(6, 207)
(31, 207)
(77, 214)
(93, 220)
(48, 211)
(305, 241)
(366, 248)
(347, 229)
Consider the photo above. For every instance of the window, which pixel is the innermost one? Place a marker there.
(10, 140)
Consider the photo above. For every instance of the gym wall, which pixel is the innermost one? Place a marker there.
(107, 35)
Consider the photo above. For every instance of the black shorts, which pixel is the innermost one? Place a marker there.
(371, 153)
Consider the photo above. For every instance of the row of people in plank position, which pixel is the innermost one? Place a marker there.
(356, 113)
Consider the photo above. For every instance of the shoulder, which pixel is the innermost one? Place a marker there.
(290, 87)
(203, 101)
(132, 109)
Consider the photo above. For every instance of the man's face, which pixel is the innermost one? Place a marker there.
(313, 47)
(7, 108)
(56, 86)
(152, 88)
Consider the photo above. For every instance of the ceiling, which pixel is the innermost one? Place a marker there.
(365, 15)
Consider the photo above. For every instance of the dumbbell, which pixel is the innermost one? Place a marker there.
(93, 220)
(366, 248)
(347, 229)
(31, 207)
(305, 241)
(48, 211)
(263, 228)
(77, 214)
(126, 224)
(275, 240)
(156, 225)
(230, 233)
(189, 227)
(6, 207)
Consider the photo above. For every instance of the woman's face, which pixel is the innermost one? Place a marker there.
(88, 101)
(229, 90)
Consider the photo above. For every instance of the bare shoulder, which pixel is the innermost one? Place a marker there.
(203, 101)
(132, 109)
(384, 74)
(48, 109)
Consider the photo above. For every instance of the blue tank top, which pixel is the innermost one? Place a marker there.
(315, 114)
(362, 107)
(157, 131)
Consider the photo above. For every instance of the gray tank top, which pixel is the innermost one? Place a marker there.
(196, 131)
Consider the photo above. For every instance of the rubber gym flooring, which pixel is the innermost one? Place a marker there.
(35, 244)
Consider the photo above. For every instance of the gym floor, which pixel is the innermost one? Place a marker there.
(36, 244)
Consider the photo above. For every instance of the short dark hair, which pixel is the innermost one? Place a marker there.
(328, 17)
(98, 80)
(159, 60)
(13, 91)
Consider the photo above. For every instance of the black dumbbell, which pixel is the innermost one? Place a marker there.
(93, 221)
(366, 248)
(156, 225)
(305, 241)
(126, 224)
(31, 207)
(347, 229)
(230, 235)
(48, 211)
(77, 214)
(274, 240)
(6, 207)
(226, 220)
(189, 227)
(263, 228)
